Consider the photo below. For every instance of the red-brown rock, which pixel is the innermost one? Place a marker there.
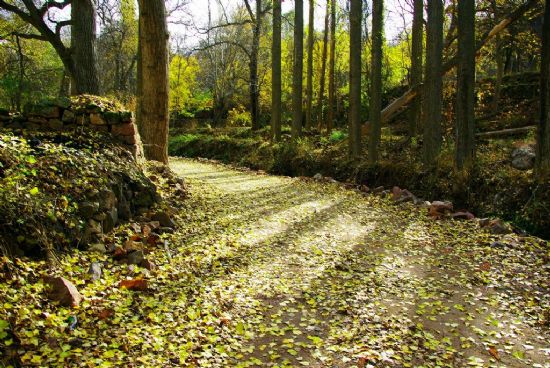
(438, 208)
(126, 129)
(63, 292)
(463, 215)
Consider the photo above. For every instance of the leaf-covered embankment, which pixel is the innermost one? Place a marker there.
(65, 189)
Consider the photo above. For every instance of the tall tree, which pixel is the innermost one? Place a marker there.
(309, 83)
(543, 136)
(376, 80)
(499, 59)
(465, 94)
(83, 44)
(331, 68)
(355, 16)
(254, 88)
(417, 51)
(276, 72)
(433, 93)
(153, 87)
(321, 99)
(297, 78)
(49, 30)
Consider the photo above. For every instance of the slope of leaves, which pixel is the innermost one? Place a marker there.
(43, 178)
(278, 272)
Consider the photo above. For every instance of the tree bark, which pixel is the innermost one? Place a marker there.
(297, 79)
(543, 134)
(83, 46)
(417, 50)
(21, 77)
(499, 59)
(465, 94)
(309, 87)
(321, 100)
(153, 103)
(355, 16)
(433, 98)
(276, 72)
(254, 54)
(376, 80)
(331, 68)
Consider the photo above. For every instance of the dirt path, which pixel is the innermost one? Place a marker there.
(266, 271)
(296, 273)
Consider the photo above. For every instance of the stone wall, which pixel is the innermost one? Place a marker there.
(66, 114)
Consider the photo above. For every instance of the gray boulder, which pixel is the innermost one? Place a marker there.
(523, 158)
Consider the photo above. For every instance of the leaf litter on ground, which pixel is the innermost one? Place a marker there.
(271, 271)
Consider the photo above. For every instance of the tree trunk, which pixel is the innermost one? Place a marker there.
(276, 72)
(83, 48)
(153, 103)
(376, 80)
(254, 84)
(499, 59)
(543, 136)
(331, 68)
(21, 77)
(297, 79)
(465, 94)
(433, 98)
(355, 16)
(320, 102)
(416, 65)
(309, 88)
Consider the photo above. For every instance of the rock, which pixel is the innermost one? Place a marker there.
(127, 129)
(126, 116)
(95, 227)
(523, 158)
(97, 119)
(378, 190)
(47, 110)
(148, 265)
(164, 230)
(107, 200)
(62, 102)
(111, 220)
(136, 257)
(464, 215)
(39, 120)
(63, 291)
(55, 124)
(499, 227)
(95, 270)
(364, 189)
(98, 248)
(164, 219)
(318, 176)
(484, 222)
(68, 117)
(129, 139)
(439, 208)
(123, 209)
(132, 246)
(88, 209)
(154, 225)
(402, 195)
(113, 118)
(100, 217)
(396, 193)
